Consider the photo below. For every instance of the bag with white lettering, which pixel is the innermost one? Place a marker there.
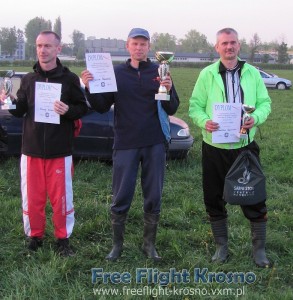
(245, 183)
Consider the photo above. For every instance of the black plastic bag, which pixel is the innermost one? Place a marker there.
(245, 183)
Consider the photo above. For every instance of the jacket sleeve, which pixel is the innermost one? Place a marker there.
(77, 101)
(198, 102)
(100, 102)
(171, 106)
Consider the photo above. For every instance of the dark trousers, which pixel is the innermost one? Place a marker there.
(215, 165)
(125, 168)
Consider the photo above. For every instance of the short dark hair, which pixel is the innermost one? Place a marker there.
(57, 37)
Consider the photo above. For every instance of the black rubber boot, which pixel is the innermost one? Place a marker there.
(34, 243)
(118, 227)
(63, 248)
(258, 234)
(220, 233)
(149, 236)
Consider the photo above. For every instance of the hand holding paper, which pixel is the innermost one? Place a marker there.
(60, 107)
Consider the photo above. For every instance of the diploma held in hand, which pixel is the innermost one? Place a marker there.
(101, 67)
(228, 116)
(45, 95)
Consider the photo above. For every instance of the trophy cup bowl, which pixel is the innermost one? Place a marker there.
(247, 110)
(7, 89)
(164, 58)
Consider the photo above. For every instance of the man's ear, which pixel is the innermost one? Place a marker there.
(59, 48)
(216, 48)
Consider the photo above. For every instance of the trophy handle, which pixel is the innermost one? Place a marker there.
(10, 74)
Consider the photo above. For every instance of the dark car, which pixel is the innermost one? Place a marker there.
(96, 135)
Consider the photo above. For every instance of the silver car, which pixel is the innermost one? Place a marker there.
(273, 81)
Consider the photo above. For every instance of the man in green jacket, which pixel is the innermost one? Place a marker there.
(229, 80)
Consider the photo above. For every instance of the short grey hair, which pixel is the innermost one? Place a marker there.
(227, 30)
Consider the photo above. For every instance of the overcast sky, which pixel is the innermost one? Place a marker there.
(271, 20)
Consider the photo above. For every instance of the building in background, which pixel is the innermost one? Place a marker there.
(20, 47)
(19, 53)
(93, 45)
(117, 49)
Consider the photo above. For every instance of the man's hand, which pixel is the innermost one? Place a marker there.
(4, 96)
(86, 76)
(249, 122)
(167, 82)
(60, 107)
(211, 126)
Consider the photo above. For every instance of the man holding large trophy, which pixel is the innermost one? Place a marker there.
(139, 137)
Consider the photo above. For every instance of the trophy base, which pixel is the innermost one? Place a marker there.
(8, 106)
(162, 96)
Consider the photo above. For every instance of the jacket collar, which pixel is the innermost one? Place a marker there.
(56, 72)
(222, 68)
(142, 64)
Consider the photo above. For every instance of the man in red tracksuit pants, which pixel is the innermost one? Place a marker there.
(46, 161)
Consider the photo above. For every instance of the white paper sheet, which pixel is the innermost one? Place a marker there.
(101, 67)
(45, 95)
(228, 116)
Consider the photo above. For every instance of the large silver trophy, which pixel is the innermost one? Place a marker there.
(164, 58)
(247, 110)
(7, 89)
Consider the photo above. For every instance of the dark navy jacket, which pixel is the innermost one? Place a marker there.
(136, 121)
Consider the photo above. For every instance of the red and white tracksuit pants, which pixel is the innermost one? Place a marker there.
(42, 178)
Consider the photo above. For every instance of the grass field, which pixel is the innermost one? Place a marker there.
(184, 239)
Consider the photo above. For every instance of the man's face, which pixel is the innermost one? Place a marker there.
(228, 46)
(138, 48)
(47, 48)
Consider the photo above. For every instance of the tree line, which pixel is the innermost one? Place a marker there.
(193, 42)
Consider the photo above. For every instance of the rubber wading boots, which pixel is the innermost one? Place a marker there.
(149, 236)
(118, 228)
(220, 233)
(258, 234)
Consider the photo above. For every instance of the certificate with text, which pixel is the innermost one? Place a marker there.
(45, 95)
(228, 116)
(101, 67)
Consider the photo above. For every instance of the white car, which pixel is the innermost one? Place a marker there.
(273, 81)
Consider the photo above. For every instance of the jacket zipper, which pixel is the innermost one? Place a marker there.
(45, 129)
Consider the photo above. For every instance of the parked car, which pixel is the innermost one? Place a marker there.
(96, 135)
(273, 81)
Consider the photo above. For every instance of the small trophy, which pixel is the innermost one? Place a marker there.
(164, 58)
(7, 88)
(247, 110)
